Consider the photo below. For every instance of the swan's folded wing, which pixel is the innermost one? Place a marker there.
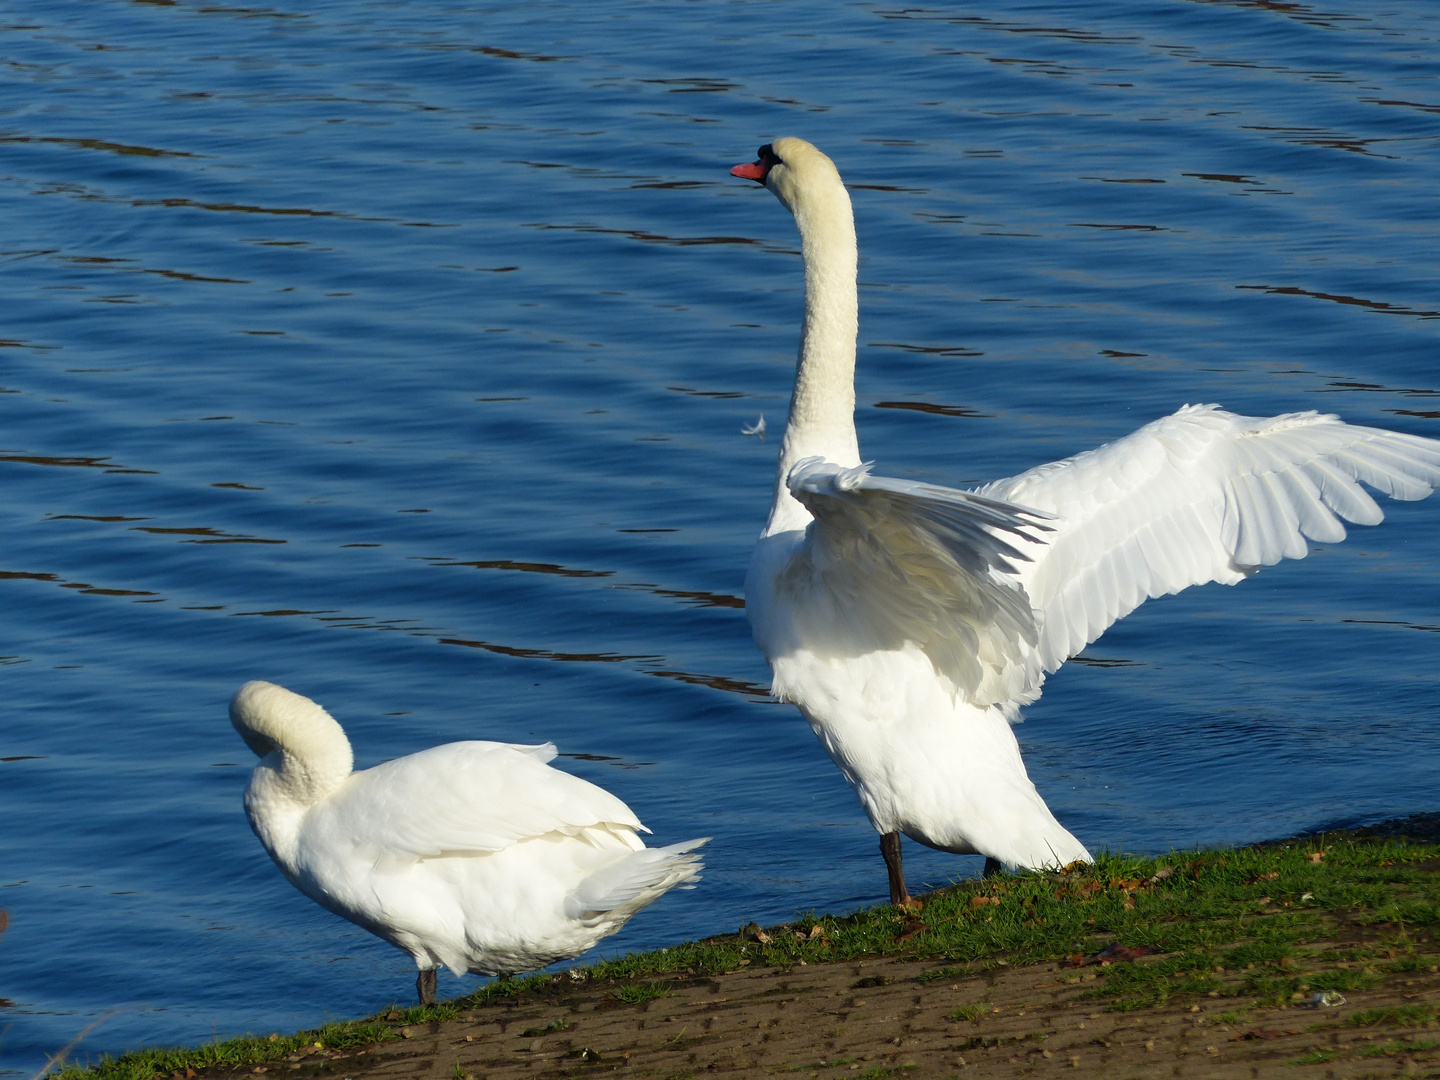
(888, 562)
(1203, 495)
(469, 798)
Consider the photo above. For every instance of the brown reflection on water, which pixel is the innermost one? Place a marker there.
(1103, 661)
(536, 58)
(929, 350)
(121, 265)
(97, 144)
(77, 586)
(1321, 137)
(643, 236)
(209, 535)
(722, 394)
(889, 187)
(72, 463)
(1224, 178)
(1107, 225)
(282, 211)
(1405, 104)
(1340, 298)
(753, 691)
(694, 85)
(1393, 622)
(93, 517)
(937, 410)
(548, 654)
(749, 690)
(1339, 386)
(608, 759)
(689, 597)
(522, 567)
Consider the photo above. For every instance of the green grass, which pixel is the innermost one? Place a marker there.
(1399, 1046)
(1394, 1015)
(639, 993)
(974, 1011)
(1251, 926)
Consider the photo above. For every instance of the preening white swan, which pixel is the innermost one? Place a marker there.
(910, 622)
(475, 855)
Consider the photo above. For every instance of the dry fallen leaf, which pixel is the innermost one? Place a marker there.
(1316, 856)
(912, 926)
(1111, 954)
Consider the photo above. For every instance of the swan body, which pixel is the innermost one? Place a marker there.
(477, 856)
(910, 622)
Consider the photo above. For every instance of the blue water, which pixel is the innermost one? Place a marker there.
(399, 353)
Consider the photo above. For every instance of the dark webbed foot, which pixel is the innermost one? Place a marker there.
(993, 866)
(425, 986)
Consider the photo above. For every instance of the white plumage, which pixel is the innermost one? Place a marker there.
(477, 856)
(910, 622)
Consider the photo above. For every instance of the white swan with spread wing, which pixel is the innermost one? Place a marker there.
(910, 622)
(477, 856)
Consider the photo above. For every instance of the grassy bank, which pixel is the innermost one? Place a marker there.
(1266, 927)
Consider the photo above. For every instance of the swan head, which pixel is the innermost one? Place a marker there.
(270, 718)
(795, 171)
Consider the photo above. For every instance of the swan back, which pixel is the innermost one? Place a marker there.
(299, 740)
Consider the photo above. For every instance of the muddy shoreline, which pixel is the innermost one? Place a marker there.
(1315, 956)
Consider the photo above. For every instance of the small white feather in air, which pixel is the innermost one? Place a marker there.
(910, 622)
(757, 429)
(474, 855)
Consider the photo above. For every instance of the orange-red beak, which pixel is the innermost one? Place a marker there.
(751, 170)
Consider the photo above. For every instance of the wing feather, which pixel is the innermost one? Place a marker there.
(471, 798)
(887, 562)
(1203, 495)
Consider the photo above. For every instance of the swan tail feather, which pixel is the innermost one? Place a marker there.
(616, 892)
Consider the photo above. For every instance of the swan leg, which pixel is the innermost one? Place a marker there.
(993, 866)
(890, 849)
(425, 986)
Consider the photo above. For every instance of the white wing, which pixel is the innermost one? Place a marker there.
(886, 562)
(474, 797)
(1203, 495)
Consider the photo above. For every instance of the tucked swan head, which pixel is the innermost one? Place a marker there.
(314, 752)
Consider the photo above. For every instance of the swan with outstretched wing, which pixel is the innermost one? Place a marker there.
(910, 622)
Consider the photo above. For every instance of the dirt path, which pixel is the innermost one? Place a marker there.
(878, 1018)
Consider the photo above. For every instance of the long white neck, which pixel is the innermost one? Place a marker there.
(822, 408)
(304, 757)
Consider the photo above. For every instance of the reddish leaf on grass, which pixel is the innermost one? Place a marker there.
(911, 927)
(1111, 954)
